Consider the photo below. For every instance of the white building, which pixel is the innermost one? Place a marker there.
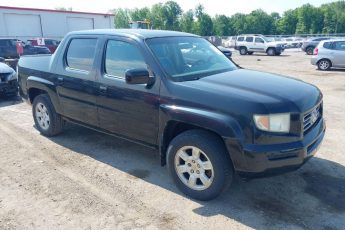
(27, 23)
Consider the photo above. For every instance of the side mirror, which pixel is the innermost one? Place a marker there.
(2, 59)
(137, 76)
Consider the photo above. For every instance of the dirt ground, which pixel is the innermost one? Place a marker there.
(86, 180)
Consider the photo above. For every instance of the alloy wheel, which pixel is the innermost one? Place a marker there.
(194, 168)
(324, 65)
(42, 116)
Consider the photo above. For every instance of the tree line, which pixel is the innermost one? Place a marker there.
(307, 19)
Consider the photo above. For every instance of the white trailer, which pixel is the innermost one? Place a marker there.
(28, 23)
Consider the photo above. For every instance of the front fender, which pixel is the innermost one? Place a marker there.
(43, 84)
(225, 126)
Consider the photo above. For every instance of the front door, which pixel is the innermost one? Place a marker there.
(339, 54)
(259, 44)
(128, 110)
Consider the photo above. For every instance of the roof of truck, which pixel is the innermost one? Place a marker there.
(140, 33)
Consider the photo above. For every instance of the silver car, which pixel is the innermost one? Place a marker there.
(328, 54)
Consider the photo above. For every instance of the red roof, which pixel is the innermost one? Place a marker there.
(48, 10)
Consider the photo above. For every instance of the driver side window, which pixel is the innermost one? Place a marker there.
(122, 56)
(259, 40)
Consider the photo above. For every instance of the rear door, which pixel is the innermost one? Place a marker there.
(76, 79)
(127, 110)
(250, 43)
(339, 54)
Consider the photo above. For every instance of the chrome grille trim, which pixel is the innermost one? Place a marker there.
(311, 117)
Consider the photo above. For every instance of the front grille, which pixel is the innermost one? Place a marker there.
(312, 117)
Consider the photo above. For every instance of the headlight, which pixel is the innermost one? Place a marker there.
(273, 122)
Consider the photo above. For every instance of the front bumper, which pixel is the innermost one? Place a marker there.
(254, 160)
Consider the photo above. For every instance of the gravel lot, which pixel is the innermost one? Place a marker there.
(86, 180)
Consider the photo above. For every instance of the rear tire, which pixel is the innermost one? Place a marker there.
(310, 50)
(47, 121)
(199, 164)
(324, 64)
(243, 50)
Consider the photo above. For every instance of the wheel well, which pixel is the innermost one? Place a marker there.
(270, 48)
(243, 47)
(34, 92)
(173, 129)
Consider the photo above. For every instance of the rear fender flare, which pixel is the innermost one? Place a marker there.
(34, 82)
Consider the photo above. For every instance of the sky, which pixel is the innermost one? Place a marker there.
(212, 7)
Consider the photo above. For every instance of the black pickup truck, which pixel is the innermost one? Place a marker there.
(177, 93)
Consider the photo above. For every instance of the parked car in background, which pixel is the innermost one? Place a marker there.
(51, 44)
(230, 42)
(310, 44)
(248, 44)
(328, 54)
(226, 51)
(177, 93)
(33, 50)
(8, 48)
(8, 80)
(292, 42)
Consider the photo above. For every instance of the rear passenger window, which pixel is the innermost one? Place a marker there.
(249, 39)
(327, 45)
(81, 53)
(122, 56)
(240, 39)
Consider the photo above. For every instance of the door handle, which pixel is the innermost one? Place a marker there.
(103, 89)
(60, 80)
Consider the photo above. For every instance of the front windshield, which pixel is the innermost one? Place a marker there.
(189, 58)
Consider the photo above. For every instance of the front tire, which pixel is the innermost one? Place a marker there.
(47, 121)
(271, 52)
(199, 164)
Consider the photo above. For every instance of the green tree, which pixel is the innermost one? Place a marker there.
(121, 18)
(238, 22)
(259, 22)
(158, 16)
(204, 24)
(305, 19)
(187, 21)
(172, 14)
(287, 24)
(140, 14)
(222, 26)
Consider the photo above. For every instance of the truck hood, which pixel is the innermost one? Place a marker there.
(263, 92)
